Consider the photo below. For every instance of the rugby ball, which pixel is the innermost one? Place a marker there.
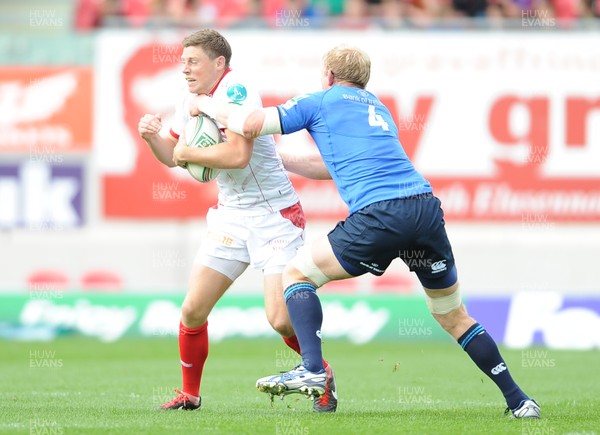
(201, 131)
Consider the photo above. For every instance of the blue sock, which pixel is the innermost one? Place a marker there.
(306, 315)
(482, 349)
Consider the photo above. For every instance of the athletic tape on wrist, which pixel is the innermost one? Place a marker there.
(271, 124)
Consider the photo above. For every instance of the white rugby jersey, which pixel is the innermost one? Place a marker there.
(264, 185)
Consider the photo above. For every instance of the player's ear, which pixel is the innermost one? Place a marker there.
(220, 61)
(330, 77)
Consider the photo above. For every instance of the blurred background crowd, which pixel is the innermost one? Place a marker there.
(91, 14)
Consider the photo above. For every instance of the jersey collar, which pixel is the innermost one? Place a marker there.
(212, 91)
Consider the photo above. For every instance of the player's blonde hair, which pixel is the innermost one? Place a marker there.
(212, 42)
(348, 64)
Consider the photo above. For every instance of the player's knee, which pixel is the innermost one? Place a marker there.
(192, 314)
(446, 307)
(278, 318)
(290, 271)
(291, 275)
(455, 322)
(281, 325)
(443, 301)
(449, 320)
(303, 268)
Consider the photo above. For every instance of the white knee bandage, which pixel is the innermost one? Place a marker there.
(304, 263)
(445, 304)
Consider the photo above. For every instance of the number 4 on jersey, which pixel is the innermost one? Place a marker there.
(376, 120)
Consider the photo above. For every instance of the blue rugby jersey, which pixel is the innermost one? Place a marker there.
(358, 139)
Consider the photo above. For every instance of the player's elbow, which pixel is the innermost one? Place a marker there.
(241, 164)
(240, 161)
(165, 160)
(322, 174)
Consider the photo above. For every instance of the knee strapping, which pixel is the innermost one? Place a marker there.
(444, 304)
(304, 263)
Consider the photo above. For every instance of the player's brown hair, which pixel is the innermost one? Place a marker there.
(212, 42)
(349, 64)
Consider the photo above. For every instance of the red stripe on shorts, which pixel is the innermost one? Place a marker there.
(295, 215)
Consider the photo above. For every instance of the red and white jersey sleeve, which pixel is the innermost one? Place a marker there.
(264, 185)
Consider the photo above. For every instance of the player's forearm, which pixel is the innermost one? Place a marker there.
(306, 165)
(245, 121)
(162, 149)
(224, 155)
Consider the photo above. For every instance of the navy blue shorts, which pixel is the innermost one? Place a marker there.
(409, 228)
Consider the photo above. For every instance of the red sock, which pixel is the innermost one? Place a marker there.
(193, 351)
(293, 344)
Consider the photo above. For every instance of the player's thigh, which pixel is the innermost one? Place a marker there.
(438, 293)
(431, 256)
(317, 263)
(275, 238)
(209, 280)
(227, 236)
(367, 241)
(325, 259)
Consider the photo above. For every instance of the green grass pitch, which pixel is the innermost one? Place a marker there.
(76, 385)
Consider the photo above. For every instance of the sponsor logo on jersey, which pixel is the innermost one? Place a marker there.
(237, 93)
(292, 102)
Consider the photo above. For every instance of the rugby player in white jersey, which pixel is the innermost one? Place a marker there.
(258, 220)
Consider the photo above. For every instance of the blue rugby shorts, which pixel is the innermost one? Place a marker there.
(412, 229)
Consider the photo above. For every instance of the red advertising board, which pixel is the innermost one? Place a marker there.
(151, 190)
(518, 150)
(45, 110)
(518, 189)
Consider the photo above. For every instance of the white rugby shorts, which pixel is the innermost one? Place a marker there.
(267, 242)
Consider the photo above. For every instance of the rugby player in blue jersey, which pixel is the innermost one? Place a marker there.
(392, 212)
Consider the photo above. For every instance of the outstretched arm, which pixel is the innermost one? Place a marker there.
(252, 123)
(308, 163)
(248, 122)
